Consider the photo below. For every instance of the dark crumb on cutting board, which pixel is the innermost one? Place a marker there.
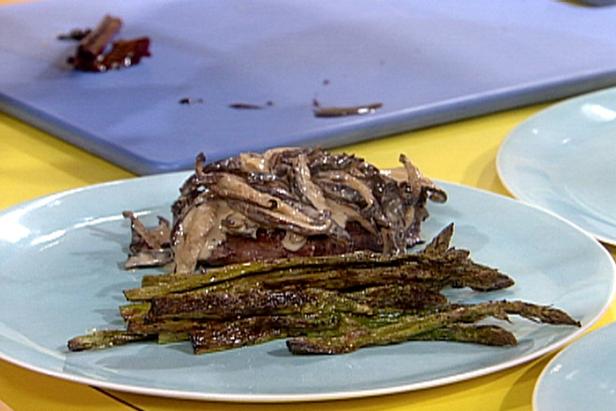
(250, 106)
(75, 34)
(189, 100)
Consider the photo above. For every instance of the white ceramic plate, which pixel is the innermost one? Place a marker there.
(60, 273)
(564, 159)
(582, 377)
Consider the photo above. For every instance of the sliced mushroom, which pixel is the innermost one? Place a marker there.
(151, 258)
(306, 187)
(419, 182)
(273, 219)
(196, 227)
(155, 238)
(149, 247)
(238, 224)
(342, 213)
(311, 195)
(233, 187)
(350, 181)
(253, 163)
(293, 241)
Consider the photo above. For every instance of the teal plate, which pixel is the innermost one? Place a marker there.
(582, 377)
(564, 159)
(60, 270)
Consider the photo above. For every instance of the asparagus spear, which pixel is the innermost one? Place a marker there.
(439, 274)
(105, 339)
(168, 337)
(140, 326)
(401, 297)
(477, 334)
(225, 305)
(410, 326)
(440, 243)
(257, 330)
(135, 310)
(177, 283)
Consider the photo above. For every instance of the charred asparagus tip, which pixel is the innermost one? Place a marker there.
(104, 339)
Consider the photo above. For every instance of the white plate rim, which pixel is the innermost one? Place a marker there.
(337, 395)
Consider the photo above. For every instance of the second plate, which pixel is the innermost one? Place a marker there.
(564, 160)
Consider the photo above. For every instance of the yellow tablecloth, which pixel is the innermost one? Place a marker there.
(33, 163)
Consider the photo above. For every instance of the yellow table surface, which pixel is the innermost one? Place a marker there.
(33, 164)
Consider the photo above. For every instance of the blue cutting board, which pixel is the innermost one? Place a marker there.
(428, 62)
